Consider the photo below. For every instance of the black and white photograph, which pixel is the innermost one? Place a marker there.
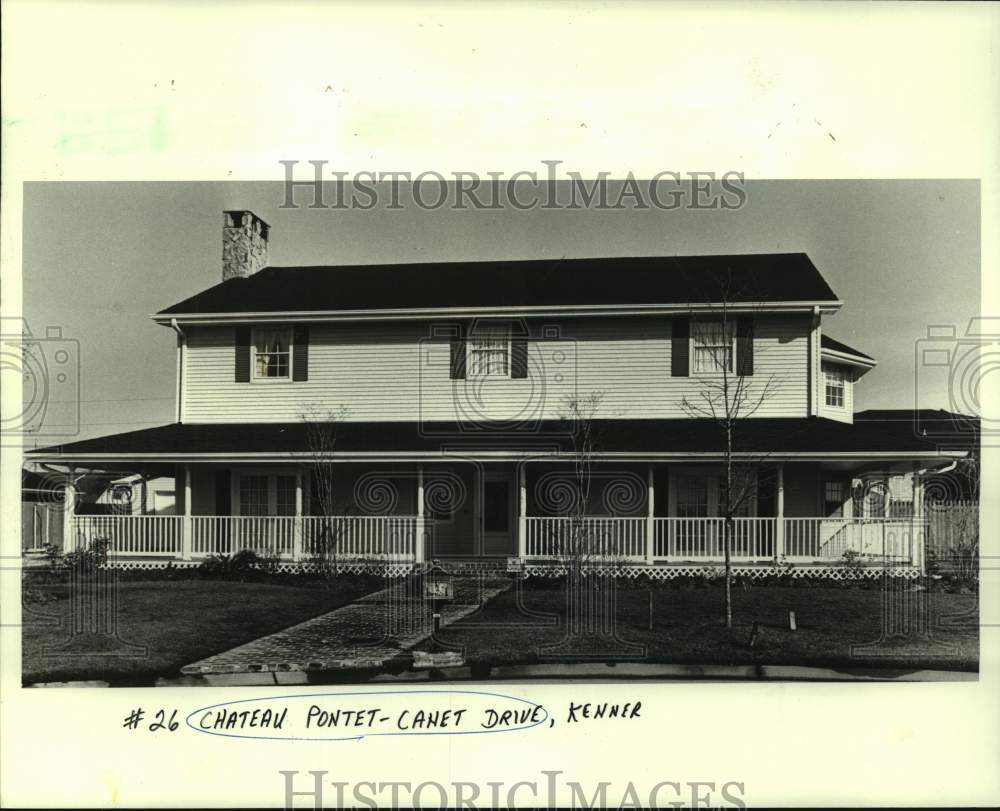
(550, 405)
(467, 444)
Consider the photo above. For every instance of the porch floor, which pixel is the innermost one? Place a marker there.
(354, 636)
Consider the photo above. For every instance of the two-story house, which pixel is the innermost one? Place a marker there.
(399, 414)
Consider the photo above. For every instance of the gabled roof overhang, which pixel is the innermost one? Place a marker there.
(575, 311)
(860, 363)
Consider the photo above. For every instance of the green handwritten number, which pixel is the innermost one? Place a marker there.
(161, 721)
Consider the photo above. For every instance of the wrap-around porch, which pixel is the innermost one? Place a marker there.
(537, 511)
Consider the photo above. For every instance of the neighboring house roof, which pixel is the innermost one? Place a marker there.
(635, 437)
(536, 283)
(827, 342)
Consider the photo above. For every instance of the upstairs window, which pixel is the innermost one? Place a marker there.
(272, 352)
(489, 351)
(713, 343)
(835, 381)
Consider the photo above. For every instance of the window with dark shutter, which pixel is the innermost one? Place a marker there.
(744, 346)
(300, 354)
(457, 369)
(243, 354)
(519, 358)
(680, 348)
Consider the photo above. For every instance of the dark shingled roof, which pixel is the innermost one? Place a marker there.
(527, 283)
(810, 435)
(829, 343)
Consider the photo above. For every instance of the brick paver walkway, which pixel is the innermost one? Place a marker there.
(365, 634)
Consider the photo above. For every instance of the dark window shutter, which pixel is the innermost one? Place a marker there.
(519, 358)
(300, 354)
(744, 346)
(458, 353)
(223, 495)
(243, 354)
(680, 348)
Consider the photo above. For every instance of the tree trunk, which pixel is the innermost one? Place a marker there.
(727, 542)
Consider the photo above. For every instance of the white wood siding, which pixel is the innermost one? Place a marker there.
(398, 372)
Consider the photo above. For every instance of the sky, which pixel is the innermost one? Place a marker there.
(99, 258)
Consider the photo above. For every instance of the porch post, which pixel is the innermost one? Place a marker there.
(650, 521)
(69, 513)
(522, 510)
(186, 521)
(779, 521)
(418, 548)
(297, 521)
(918, 527)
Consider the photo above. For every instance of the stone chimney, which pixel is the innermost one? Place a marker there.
(244, 244)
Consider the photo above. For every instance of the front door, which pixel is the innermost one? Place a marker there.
(499, 517)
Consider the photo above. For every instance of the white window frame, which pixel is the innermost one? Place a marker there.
(256, 378)
(272, 489)
(711, 477)
(840, 497)
(700, 328)
(834, 375)
(495, 334)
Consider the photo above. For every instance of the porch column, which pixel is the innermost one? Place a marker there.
(186, 521)
(918, 533)
(522, 511)
(69, 512)
(297, 521)
(418, 548)
(650, 521)
(779, 521)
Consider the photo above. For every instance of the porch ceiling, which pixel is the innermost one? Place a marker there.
(810, 438)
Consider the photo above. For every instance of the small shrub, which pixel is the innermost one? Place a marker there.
(851, 561)
(214, 566)
(53, 555)
(87, 561)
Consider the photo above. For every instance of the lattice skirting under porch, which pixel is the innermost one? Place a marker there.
(555, 569)
(753, 572)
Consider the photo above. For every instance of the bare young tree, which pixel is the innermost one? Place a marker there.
(322, 434)
(584, 543)
(728, 394)
(581, 413)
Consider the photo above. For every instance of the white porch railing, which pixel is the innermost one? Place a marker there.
(696, 538)
(394, 538)
(623, 538)
(754, 539)
(380, 537)
(389, 537)
(265, 535)
(158, 535)
(895, 539)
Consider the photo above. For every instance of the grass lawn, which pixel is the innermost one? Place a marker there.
(178, 622)
(688, 628)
